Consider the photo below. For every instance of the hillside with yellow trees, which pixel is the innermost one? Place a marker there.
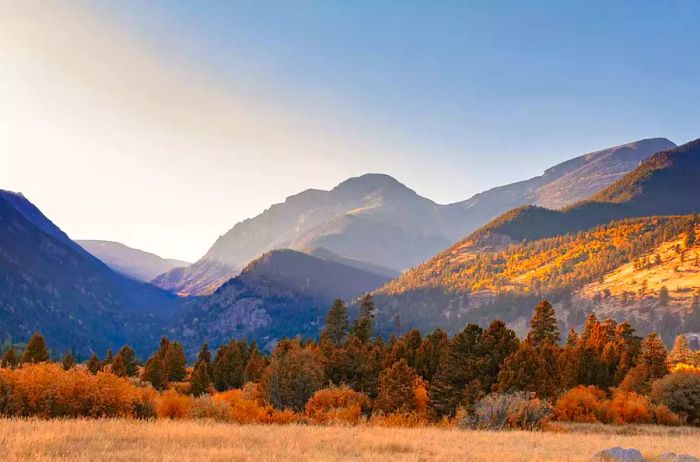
(626, 268)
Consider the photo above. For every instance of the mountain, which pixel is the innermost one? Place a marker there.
(665, 184)
(134, 263)
(532, 252)
(377, 221)
(51, 284)
(282, 293)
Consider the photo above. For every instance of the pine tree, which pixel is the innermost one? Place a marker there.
(337, 323)
(153, 372)
(463, 364)
(118, 366)
(654, 356)
(397, 388)
(175, 363)
(36, 351)
(363, 328)
(255, 366)
(690, 238)
(109, 357)
(681, 351)
(68, 361)
(543, 326)
(200, 379)
(10, 358)
(431, 351)
(126, 363)
(497, 343)
(94, 365)
(204, 354)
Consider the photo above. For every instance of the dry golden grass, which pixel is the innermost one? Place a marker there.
(121, 440)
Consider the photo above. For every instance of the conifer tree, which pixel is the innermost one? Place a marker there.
(337, 323)
(431, 351)
(363, 328)
(68, 361)
(36, 351)
(497, 343)
(94, 365)
(654, 356)
(10, 358)
(543, 326)
(397, 388)
(681, 351)
(204, 354)
(463, 364)
(154, 372)
(200, 379)
(125, 361)
(255, 366)
(175, 363)
(109, 357)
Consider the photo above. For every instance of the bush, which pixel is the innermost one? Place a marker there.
(520, 410)
(580, 404)
(398, 420)
(664, 416)
(246, 409)
(680, 391)
(626, 408)
(205, 407)
(337, 405)
(47, 390)
(172, 405)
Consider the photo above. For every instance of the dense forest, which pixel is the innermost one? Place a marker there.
(605, 372)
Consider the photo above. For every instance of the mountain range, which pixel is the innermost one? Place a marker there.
(49, 283)
(134, 263)
(376, 220)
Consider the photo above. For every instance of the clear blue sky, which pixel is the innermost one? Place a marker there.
(450, 97)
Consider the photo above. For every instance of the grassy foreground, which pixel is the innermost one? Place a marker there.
(117, 440)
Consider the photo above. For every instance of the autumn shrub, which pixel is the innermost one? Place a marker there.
(205, 407)
(246, 409)
(680, 391)
(519, 410)
(664, 416)
(337, 405)
(172, 405)
(47, 390)
(580, 404)
(146, 403)
(626, 408)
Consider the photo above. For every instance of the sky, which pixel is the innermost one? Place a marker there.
(161, 124)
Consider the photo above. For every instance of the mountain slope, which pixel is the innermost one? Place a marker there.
(135, 263)
(375, 220)
(282, 293)
(51, 284)
(665, 184)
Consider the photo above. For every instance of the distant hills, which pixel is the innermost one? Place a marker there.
(282, 293)
(135, 263)
(50, 283)
(377, 221)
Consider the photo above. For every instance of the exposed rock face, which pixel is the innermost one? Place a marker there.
(671, 457)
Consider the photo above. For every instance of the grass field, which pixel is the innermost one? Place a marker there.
(121, 440)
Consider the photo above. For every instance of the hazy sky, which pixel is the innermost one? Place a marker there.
(161, 124)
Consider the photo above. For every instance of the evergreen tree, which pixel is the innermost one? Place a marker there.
(68, 361)
(94, 365)
(337, 323)
(229, 365)
(431, 351)
(464, 363)
(204, 354)
(397, 388)
(497, 343)
(36, 351)
(10, 358)
(175, 363)
(654, 356)
(125, 361)
(681, 351)
(109, 357)
(154, 372)
(543, 326)
(200, 379)
(363, 328)
(690, 238)
(255, 366)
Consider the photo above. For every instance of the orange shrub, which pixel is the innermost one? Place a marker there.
(337, 405)
(626, 408)
(245, 409)
(46, 390)
(664, 416)
(172, 405)
(422, 398)
(398, 420)
(580, 404)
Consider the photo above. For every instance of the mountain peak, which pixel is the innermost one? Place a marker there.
(370, 182)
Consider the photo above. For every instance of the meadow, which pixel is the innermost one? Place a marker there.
(81, 440)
